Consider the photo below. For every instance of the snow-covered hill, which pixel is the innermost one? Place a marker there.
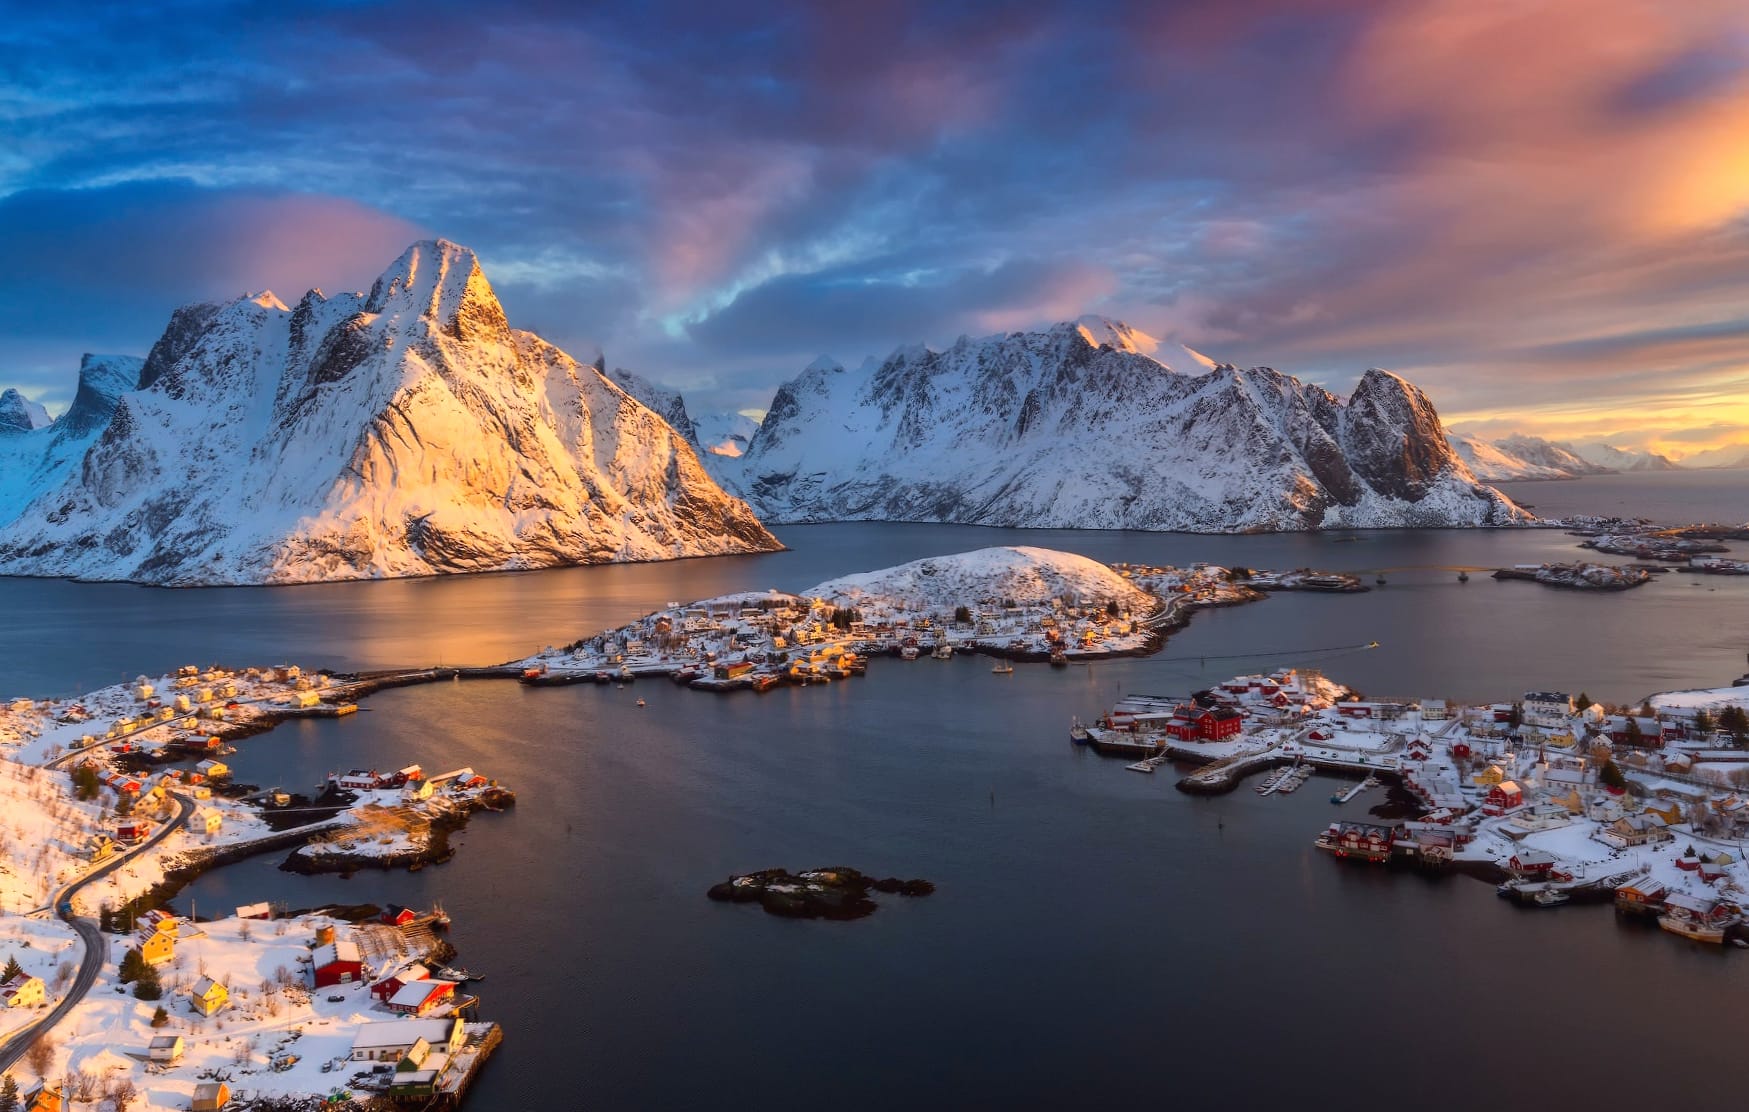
(1079, 426)
(1027, 576)
(405, 432)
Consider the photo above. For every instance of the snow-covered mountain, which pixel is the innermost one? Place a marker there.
(35, 459)
(1079, 426)
(1492, 464)
(1028, 576)
(724, 434)
(19, 414)
(1731, 455)
(405, 432)
(666, 403)
(1531, 457)
(1621, 459)
(715, 434)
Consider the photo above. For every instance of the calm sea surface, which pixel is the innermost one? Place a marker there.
(1671, 497)
(1095, 936)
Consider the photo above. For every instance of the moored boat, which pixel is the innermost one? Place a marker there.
(1003, 668)
(1688, 926)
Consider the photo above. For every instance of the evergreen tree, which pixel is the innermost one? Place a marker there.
(1611, 776)
(131, 963)
(160, 1017)
(13, 969)
(8, 1094)
(106, 919)
(148, 987)
(1582, 702)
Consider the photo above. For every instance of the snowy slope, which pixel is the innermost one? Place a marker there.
(666, 403)
(405, 432)
(1531, 457)
(1028, 576)
(716, 434)
(1079, 426)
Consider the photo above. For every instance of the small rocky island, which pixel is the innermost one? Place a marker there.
(1581, 577)
(833, 893)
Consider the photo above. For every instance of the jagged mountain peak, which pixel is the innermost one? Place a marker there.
(443, 281)
(19, 414)
(1097, 330)
(824, 363)
(408, 434)
(1064, 428)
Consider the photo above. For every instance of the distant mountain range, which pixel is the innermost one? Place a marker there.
(407, 431)
(1080, 426)
(1530, 457)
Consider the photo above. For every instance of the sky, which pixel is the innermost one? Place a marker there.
(1537, 210)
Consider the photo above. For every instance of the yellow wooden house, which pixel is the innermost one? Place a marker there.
(208, 996)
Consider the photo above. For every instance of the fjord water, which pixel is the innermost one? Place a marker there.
(1095, 935)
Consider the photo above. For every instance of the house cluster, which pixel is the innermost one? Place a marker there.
(424, 1052)
(407, 990)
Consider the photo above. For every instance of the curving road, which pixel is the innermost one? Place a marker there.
(96, 948)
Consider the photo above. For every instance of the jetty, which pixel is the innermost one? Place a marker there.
(1348, 796)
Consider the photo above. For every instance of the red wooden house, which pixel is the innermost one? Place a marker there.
(1502, 797)
(421, 997)
(385, 989)
(336, 963)
(1218, 725)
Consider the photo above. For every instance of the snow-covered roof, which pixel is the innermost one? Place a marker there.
(403, 1032)
(340, 950)
(414, 993)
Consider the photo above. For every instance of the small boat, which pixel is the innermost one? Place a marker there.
(1463, 577)
(451, 973)
(1688, 926)
(1548, 897)
(640, 702)
(943, 651)
(1380, 581)
(908, 652)
(1079, 733)
(1003, 668)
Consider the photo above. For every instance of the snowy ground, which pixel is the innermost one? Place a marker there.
(273, 1016)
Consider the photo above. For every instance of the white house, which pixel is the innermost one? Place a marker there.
(391, 1040)
(165, 1048)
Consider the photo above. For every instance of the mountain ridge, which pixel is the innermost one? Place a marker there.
(1077, 426)
(407, 431)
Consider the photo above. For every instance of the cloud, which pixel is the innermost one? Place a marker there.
(1512, 203)
(101, 269)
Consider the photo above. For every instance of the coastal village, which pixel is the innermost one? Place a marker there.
(1014, 604)
(115, 798)
(1557, 798)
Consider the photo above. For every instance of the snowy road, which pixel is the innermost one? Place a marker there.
(95, 948)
